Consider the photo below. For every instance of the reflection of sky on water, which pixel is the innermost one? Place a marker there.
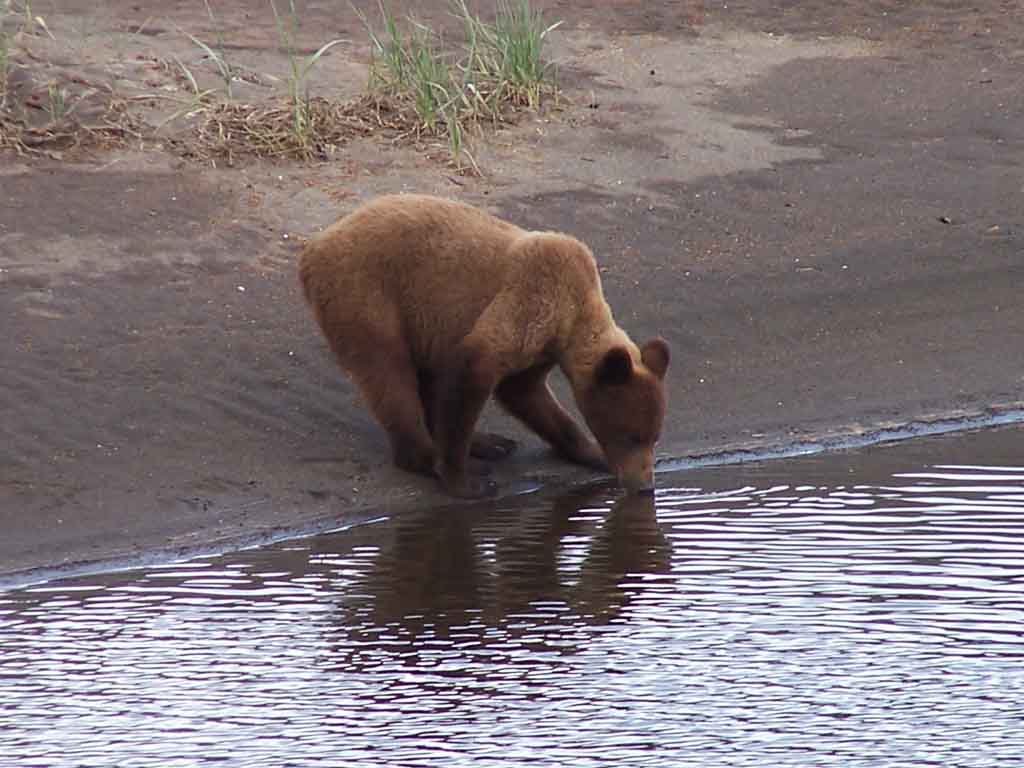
(851, 610)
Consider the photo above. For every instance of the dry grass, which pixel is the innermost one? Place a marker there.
(62, 116)
(228, 131)
(115, 127)
(420, 90)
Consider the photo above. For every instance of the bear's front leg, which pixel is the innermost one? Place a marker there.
(462, 391)
(529, 398)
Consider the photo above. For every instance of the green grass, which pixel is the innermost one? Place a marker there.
(508, 53)
(57, 106)
(432, 88)
(29, 20)
(388, 54)
(218, 56)
(5, 66)
(7, 8)
(226, 71)
(302, 127)
(299, 69)
(429, 77)
(500, 66)
(5, 51)
(197, 98)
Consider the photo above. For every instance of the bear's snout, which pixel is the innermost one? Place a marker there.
(643, 484)
(636, 473)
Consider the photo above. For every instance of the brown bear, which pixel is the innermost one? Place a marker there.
(431, 306)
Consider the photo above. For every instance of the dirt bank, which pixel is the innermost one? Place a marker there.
(821, 210)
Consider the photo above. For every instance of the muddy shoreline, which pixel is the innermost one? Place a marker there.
(823, 219)
(730, 456)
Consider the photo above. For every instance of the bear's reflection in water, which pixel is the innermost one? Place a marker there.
(456, 575)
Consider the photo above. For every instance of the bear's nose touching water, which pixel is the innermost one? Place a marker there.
(431, 306)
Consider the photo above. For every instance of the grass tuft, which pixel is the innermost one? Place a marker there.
(229, 131)
(508, 53)
(499, 69)
(57, 102)
(217, 55)
(5, 64)
(303, 116)
(115, 127)
(419, 87)
(226, 71)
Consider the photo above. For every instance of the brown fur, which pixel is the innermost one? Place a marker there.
(431, 306)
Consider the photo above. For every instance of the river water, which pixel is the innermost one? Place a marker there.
(861, 608)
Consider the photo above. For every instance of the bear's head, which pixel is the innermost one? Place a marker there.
(624, 406)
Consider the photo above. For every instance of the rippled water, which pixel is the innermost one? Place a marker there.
(858, 609)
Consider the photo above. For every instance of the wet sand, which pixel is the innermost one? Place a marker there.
(825, 226)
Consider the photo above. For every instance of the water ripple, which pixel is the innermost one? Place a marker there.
(809, 613)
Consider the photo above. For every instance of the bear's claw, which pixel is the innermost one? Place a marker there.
(491, 447)
(469, 487)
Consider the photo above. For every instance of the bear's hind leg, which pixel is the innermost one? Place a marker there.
(372, 350)
(391, 392)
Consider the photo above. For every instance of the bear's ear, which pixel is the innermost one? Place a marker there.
(615, 367)
(655, 356)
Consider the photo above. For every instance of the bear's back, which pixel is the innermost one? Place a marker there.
(435, 264)
(413, 237)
